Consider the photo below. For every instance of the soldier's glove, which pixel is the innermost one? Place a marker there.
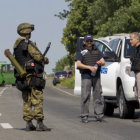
(46, 60)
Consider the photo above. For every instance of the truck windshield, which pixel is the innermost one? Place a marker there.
(128, 50)
(7, 68)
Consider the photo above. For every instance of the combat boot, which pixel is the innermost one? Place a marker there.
(30, 126)
(41, 127)
(84, 119)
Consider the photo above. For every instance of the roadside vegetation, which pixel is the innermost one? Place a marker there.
(68, 82)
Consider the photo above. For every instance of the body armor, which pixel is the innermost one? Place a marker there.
(90, 58)
(21, 53)
(25, 60)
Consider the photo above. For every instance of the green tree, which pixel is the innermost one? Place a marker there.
(125, 19)
(102, 10)
(78, 24)
(60, 64)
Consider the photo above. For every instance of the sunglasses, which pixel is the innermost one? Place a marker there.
(89, 41)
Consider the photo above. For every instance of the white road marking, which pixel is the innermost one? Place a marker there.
(64, 91)
(1, 92)
(6, 125)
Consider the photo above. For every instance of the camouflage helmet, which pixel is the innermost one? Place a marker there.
(25, 28)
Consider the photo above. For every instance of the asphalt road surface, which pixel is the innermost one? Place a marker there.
(61, 110)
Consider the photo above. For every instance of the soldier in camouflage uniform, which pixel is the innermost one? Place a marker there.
(30, 58)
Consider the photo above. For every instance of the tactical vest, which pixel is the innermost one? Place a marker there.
(136, 60)
(21, 53)
(91, 57)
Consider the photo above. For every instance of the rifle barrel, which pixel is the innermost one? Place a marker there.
(48, 47)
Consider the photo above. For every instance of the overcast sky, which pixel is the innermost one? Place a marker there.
(48, 28)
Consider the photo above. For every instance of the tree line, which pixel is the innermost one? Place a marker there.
(99, 18)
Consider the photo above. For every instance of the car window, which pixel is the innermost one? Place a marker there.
(128, 50)
(61, 73)
(113, 44)
(3, 68)
(101, 47)
(10, 68)
(57, 73)
(118, 52)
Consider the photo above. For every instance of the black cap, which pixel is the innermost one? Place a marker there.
(88, 37)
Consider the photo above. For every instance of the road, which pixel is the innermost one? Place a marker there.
(61, 110)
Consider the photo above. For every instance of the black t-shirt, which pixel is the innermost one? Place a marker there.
(87, 74)
(135, 59)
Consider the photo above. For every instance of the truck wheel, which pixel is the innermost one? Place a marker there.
(108, 109)
(126, 110)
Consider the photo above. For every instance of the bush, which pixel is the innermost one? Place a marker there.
(68, 82)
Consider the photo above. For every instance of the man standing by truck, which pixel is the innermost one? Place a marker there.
(89, 61)
(135, 59)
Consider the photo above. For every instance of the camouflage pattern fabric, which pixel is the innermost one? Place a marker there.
(46, 60)
(36, 55)
(32, 103)
(18, 41)
(33, 98)
(24, 28)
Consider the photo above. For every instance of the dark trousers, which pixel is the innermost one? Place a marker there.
(95, 85)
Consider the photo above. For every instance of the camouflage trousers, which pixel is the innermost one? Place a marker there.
(32, 104)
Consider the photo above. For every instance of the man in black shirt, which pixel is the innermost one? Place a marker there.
(89, 61)
(135, 42)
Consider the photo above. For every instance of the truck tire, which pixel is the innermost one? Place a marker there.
(108, 109)
(126, 110)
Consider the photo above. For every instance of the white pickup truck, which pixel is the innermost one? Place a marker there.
(117, 79)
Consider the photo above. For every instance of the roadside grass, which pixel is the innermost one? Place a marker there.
(69, 83)
(49, 78)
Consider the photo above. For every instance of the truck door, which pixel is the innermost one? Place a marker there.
(110, 71)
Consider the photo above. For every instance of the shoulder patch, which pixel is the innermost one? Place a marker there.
(84, 52)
